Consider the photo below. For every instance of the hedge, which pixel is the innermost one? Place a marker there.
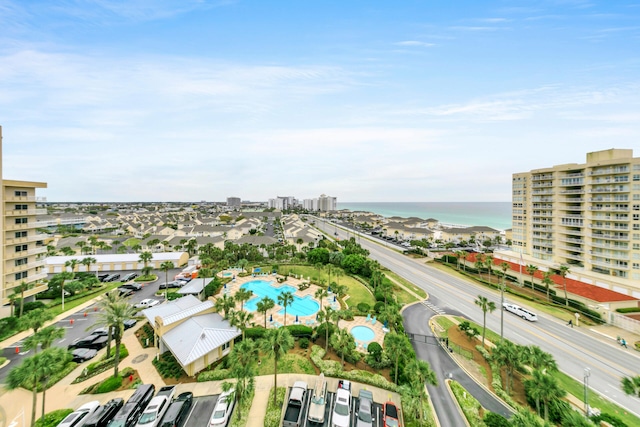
(110, 384)
(274, 412)
(53, 418)
(628, 310)
(216, 375)
(101, 366)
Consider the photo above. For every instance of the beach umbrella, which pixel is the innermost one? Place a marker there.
(334, 298)
(225, 286)
(297, 319)
(386, 323)
(271, 318)
(329, 289)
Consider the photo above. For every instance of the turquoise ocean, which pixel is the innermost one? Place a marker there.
(491, 214)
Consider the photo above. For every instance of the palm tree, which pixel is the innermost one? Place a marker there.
(563, 271)
(93, 241)
(538, 359)
(243, 359)
(224, 304)
(488, 261)
(631, 385)
(547, 281)
(115, 314)
(327, 315)
(321, 294)
(458, 257)
(242, 263)
(243, 295)
(72, 263)
(191, 246)
(343, 343)
(396, 346)
(479, 264)
(240, 319)
(82, 245)
(145, 257)
(21, 289)
(264, 305)
(110, 298)
(35, 319)
(420, 372)
(166, 266)
(531, 270)
(506, 354)
(544, 388)
(88, 261)
(485, 305)
(276, 343)
(44, 338)
(53, 360)
(285, 299)
(33, 370)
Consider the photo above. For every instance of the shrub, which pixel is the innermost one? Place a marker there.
(110, 384)
(491, 419)
(299, 330)
(363, 307)
(303, 343)
(53, 418)
(216, 375)
(379, 297)
(628, 310)
(254, 333)
(379, 306)
(2, 360)
(375, 349)
(611, 419)
(274, 412)
(33, 305)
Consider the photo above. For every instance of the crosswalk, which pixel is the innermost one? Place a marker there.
(432, 307)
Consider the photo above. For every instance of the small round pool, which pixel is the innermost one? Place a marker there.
(227, 274)
(363, 333)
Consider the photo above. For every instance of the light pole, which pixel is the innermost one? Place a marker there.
(587, 374)
(502, 309)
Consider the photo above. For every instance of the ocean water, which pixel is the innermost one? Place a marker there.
(491, 214)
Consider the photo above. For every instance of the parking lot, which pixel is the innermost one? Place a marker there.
(377, 410)
(201, 410)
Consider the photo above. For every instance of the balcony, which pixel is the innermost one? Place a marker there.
(574, 191)
(542, 228)
(607, 226)
(571, 248)
(543, 191)
(574, 256)
(541, 199)
(542, 221)
(609, 264)
(571, 240)
(615, 246)
(574, 175)
(545, 177)
(542, 185)
(12, 198)
(32, 238)
(609, 237)
(619, 189)
(25, 212)
(578, 216)
(610, 171)
(609, 255)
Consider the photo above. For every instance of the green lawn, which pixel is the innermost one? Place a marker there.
(445, 323)
(576, 388)
(490, 335)
(291, 363)
(131, 242)
(55, 306)
(406, 284)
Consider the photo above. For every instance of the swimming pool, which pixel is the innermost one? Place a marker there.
(306, 306)
(363, 333)
(227, 274)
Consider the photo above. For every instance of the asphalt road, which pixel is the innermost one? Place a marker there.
(573, 348)
(78, 325)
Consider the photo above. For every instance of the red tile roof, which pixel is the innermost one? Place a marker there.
(585, 290)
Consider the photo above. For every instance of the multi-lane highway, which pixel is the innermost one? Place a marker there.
(573, 348)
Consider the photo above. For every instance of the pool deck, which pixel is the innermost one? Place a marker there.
(377, 329)
(277, 319)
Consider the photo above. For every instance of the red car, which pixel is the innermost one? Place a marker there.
(390, 414)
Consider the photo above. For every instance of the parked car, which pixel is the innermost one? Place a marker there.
(112, 277)
(103, 276)
(129, 323)
(128, 415)
(80, 355)
(177, 411)
(390, 414)
(364, 413)
(95, 342)
(129, 276)
(168, 285)
(80, 415)
(124, 292)
(105, 413)
(342, 408)
(295, 404)
(223, 409)
(146, 303)
(132, 286)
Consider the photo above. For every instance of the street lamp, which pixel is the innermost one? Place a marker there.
(587, 374)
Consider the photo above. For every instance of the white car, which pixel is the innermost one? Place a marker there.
(223, 409)
(342, 408)
(153, 412)
(519, 311)
(80, 415)
(146, 303)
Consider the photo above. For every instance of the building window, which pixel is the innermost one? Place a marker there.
(21, 248)
(636, 266)
(21, 220)
(636, 226)
(20, 234)
(22, 207)
(226, 345)
(19, 193)
(21, 261)
(636, 246)
(21, 275)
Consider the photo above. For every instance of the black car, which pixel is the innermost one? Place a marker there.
(95, 342)
(105, 413)
(177, 411)
(80, 355)
(112, 277)
(103, 276)
(129, 323)
(129, 276)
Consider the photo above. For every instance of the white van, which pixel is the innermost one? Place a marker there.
(519, 311)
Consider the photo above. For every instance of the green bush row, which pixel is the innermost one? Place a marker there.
(215, 375)
(628, 310)
(53, 418)
(469, 405)
(110, 384)
(274, 412)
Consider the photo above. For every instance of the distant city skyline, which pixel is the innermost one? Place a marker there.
(365, 101)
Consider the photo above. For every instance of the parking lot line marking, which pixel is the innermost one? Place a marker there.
(190, 412)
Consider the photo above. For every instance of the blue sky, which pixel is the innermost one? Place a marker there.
(144, 100)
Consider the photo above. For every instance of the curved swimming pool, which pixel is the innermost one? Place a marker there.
(306, 306)
(363, 333)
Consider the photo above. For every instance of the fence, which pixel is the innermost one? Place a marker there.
(626, 323)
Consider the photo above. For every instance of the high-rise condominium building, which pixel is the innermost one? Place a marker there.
(23, 249)
(233, 202)
(586, 216)
(327, 203)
